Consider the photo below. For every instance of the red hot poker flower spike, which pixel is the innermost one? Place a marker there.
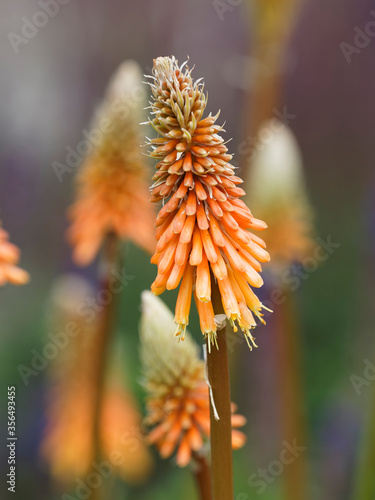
(203, 226)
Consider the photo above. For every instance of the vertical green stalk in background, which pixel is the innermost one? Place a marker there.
(221, 430)
(364, 484)
(270, 22)
(291, 397)
(110, 262)
(203, 477)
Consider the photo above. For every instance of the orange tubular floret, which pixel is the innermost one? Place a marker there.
(228, 299)
(184, 301)
(216, 232)
(203, 281)
(195, 438)
(187, 165)
(206, 319)
(209, 247)
(175, 277)
(168, 257)
(182, 252)
(184, 452)
(247, 320)
(166, 238)
(187, 231)
(252, 300)
(219, 268)
(201, 217)
(257, 251)
(191, 205)
(197, 250)
(215, 207)
(234, 259)
(189, 180)
(179, 220)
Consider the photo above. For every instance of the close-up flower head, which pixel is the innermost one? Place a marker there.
(203, 226)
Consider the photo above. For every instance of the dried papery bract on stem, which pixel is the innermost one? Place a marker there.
(67, 446)
(177, 391)
(9, 257)
(203, 226)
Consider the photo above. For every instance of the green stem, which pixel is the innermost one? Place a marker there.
(364, 485)
(293, 425)
(221, 430)
(110, 261)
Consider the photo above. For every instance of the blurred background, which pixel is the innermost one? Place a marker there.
(51, 82)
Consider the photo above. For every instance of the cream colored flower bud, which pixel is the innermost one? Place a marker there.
(177, 392)
(276, 189)
(161, 363)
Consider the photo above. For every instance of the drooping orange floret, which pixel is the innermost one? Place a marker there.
(112, 192)
(178, 403)
(9, 257)
(203, 227)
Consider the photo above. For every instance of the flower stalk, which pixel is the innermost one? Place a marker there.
(203, 477)
(292, 421)
(221, 430)
(364, 484)
(277, 190)
(104, 334)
